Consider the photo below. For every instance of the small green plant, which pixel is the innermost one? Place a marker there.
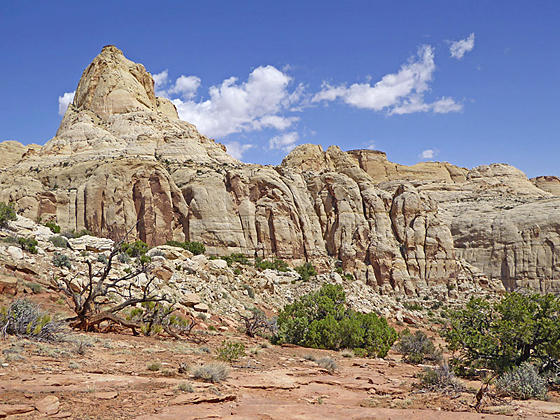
(154, 366)
(102, 258)
(185, 387)
(327, 363)
(28, 244)
(230, 351)
(415, 306)
(35, 287)
(196, 248)
(309, 356)
(7, 214)
(61, 260)
(24, 319)
(276, 264)
(213, 372)
(135, 249)
(53, 227)
(306, 271)
(417, 347)
(59, 241)
(522, 382)
(236, 258)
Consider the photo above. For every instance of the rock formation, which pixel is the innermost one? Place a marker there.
(122, 160)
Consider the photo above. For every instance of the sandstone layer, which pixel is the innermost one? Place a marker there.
(122, 161)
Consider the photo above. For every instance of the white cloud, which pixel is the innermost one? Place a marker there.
(234, 107)
(64, 101)
(160, 79)
(186, 86)
(285, 142)
(371, 146)
(459, 48)
(428, 154)
(237, 149)
(397, 93)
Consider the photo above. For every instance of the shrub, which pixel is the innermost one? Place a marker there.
(28, 244)
(25, 319)
(522, 382)
(417, 347)
(53, 227)
(7, 214)
(185, 387)
(135, 249)
(61, 260)
(230, 351)
(102, 258)
(276, 264)
(321, 320)
(236, 258)
(327, 363)
(35, 287)
(500, 335)
(440, 379)
(250, 290)
(59, 241)
(213, 372)
(154, 367)
(306, 271)
(196, 248)
(257, 323)
(347, 353)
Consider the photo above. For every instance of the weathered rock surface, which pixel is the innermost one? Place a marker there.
(122, 160)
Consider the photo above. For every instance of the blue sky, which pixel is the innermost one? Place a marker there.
(356, 74)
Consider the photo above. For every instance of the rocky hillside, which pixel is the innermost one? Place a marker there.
(122, 159)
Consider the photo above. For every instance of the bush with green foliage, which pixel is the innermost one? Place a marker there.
(322, 320)
(500, 335)
(53, 227)
(59, 241)
(28, 244)
(7, 214)
(306, 271)
(135, 249)
(61, 260)
(522, 382)
(196, 248)
(417, 347)
(230, 351)
(276, 264)
(236, 257)
(24, 319)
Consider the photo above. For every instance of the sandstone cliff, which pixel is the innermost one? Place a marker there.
(121, 158)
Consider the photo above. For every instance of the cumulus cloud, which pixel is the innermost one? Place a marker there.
(233, 106)
(428, 154)
(459, 48)
(160, 79)
(64, 101)
(236, 149)
(396, 93)
(285, 142)
(186, 86)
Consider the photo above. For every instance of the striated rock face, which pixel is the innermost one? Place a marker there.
(122, 160)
